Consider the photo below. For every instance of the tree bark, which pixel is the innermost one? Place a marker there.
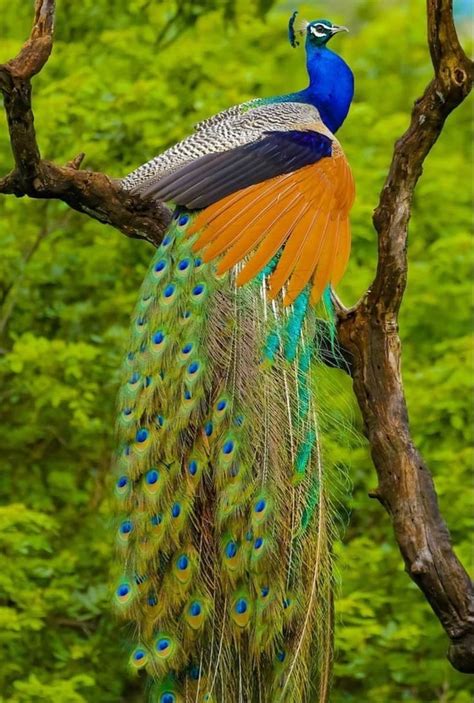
(93, 194)
(368, 332)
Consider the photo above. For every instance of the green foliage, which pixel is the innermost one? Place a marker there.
(125, 80)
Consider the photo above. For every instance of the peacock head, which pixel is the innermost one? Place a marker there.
(317, 32)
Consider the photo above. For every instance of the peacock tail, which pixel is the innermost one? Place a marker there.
(224, 528)
(225, 485)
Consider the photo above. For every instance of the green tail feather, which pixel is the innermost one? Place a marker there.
(224, 510)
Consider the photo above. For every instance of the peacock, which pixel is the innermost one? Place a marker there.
(224, 514)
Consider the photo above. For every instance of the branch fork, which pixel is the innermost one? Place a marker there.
(368, 332)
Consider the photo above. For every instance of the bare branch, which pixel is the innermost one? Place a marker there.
(37, 49)
(370, 333)
(93, 194)
(451, 84)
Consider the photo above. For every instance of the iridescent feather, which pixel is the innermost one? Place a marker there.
(224, 485)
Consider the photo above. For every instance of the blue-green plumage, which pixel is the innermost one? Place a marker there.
(223, 525)
(204, 489)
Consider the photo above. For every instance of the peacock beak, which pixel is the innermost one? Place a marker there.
(338, 28)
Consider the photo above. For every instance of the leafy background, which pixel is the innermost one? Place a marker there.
(126, 79)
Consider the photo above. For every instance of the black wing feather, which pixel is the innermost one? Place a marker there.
(214, 176)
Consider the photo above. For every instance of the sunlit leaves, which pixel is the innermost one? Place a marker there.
(125, 80)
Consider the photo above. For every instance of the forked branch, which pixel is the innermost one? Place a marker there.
(93, 194)
(369, 331)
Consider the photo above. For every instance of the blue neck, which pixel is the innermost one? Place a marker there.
(331, 86)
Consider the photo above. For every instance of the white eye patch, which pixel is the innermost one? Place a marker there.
(315, 33)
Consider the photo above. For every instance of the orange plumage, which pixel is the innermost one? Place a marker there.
(304, 213)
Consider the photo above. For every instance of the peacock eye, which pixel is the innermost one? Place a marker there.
(320, 28)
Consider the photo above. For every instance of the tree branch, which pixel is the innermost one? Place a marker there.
(370, 333)
(93, 194)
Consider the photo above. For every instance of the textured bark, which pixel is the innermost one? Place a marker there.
(368, 332)
(93, 194)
